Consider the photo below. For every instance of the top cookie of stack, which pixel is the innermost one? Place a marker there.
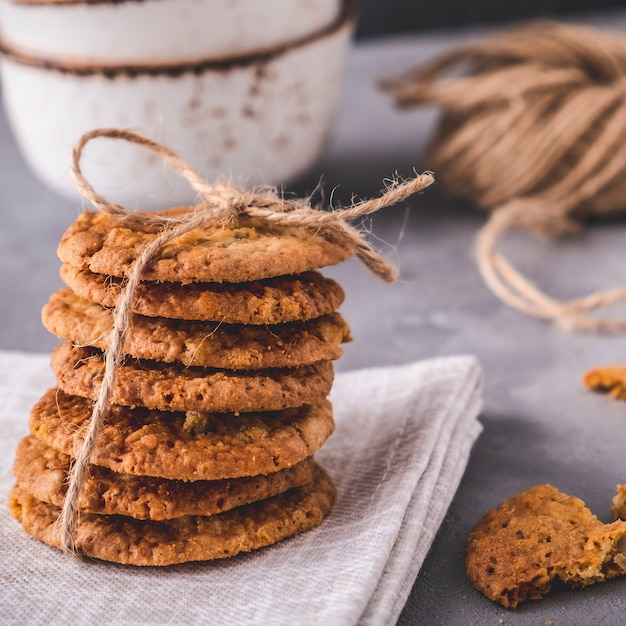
(228, 362)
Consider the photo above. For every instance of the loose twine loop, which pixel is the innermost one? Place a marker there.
(219, 204)
(533, 129)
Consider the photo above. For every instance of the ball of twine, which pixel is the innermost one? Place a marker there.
(533, 129)
(218, 204)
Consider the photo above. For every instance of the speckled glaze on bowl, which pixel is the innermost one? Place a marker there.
(259, 119)
(157, 31)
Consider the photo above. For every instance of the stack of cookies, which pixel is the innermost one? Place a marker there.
(218, 406)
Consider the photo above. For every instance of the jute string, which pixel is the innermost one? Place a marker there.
(533, 129)
(219, 204)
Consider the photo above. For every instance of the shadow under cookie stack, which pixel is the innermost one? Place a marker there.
(218, 406)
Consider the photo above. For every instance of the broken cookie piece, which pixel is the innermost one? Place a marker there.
(619, 503)
(519, 548)
(610, 378)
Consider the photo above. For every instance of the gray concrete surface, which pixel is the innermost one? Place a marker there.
(540, 424)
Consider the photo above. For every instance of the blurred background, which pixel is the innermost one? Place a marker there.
(383, 17)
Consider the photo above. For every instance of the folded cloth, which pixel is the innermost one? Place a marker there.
(401, 445)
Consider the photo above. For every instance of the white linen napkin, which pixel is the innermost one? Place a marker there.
(401, 445)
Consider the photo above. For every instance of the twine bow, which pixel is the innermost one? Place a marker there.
(533, 130)
(219, 204)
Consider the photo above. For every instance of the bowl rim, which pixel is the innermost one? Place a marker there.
(64, 2)
(67, 2)
(41, 3)
(346, 20)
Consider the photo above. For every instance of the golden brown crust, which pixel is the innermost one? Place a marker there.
(174, 387)
(42, 472)
(192, 538)
(271, 301)
(207, 344)
(171, 445)
(517, 549)
(611, 378)
(242, 251)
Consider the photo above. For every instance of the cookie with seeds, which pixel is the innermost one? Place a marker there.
(610, 378)
(207, 344)
(175, 387)
(184, 445)
(270, 301)
(242, 250)
(519, 548)
(43, 471)
(191, 538)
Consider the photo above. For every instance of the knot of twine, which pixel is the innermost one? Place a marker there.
(219, 203)
(533, 129)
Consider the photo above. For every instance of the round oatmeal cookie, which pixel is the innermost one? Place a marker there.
(243, 250)
(184, 445)
(191, 538)
(42, 471)
(175, 387)
(519, 548)
(207, 344)
(270, 301)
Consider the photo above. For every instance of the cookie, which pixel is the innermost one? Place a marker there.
(519, 548)
(42, 472)
(184, 446)
(611, 378)
(191, 538)
(207, 344)
(271, 301)
(174, 387)
(243, 250)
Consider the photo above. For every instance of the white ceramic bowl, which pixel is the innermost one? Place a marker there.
(262, 119)
(156, 31)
